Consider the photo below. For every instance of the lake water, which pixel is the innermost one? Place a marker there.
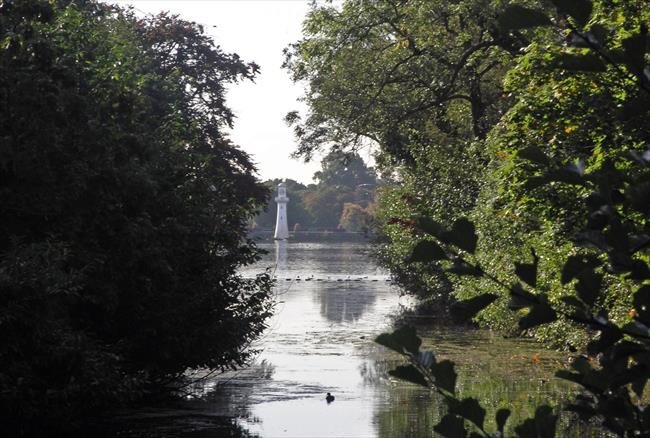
(331, 302)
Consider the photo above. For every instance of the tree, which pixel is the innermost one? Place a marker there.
(326, 206)
(393, 72)
(344, 177)
(597, 161)
(344, 170)
(422, 81)
(123, 210)
(354, 217)
(559, 164)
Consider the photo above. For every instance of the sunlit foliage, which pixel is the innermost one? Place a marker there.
(552, 220)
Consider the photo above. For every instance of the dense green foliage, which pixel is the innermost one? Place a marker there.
(123, 210)
(422, 81)
(553, 176)
(449, 95)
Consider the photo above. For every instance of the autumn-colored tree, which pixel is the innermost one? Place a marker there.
(354, 217)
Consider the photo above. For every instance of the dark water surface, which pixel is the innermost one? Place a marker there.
(332, 301)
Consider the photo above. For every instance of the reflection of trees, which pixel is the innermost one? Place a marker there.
(215, 409)
(496, 380)
(232, 393)
(345, 301)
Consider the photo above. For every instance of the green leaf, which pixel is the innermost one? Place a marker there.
(462, 234)
(410, 374)
(542, 426)
(576, 264)
(534, 154)
(401, 340)
(571, 62)
(427, 251)
(467, 309)
(539, 314)
(588, 286)
(451, 426)
(519, 17)
(521, 298)
(462, 268)
(642, 304)
(639, 195)
(470, 409)
(501, 418)
(527, 272)
(579, 10)
(634, 49)
(445, 375)
(430, 226)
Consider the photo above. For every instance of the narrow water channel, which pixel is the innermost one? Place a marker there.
(332, 301)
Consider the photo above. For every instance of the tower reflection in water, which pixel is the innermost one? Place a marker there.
(280, 256)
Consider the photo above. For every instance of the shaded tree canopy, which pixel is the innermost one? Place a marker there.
(423, 81)
(344, 169)
(393, 71)
(123, 208)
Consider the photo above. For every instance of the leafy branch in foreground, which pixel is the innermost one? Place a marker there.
(425, 370)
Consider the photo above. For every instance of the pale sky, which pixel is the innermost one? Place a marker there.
(257, 30)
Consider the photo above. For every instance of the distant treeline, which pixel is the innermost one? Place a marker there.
(342, 198)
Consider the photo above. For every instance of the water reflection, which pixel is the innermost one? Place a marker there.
(345, 301)
(321, 340)
(500, 373)
(281, 255)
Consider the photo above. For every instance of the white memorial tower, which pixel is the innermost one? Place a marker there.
(281, 227)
